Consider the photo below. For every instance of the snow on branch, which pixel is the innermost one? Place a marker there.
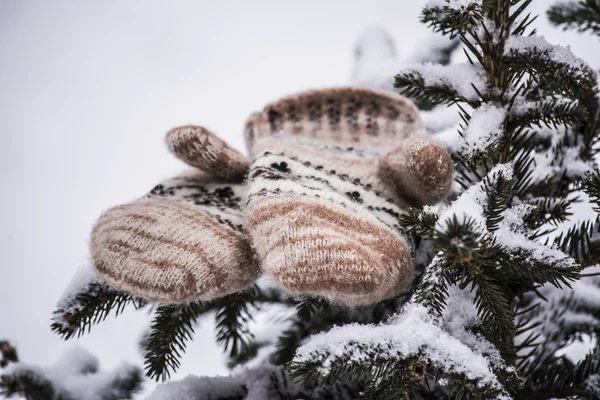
(264, 382)
(74, 377)
(558, 317)
(540, 58)
(457, 82)
(575, 14)
(485, 128)
(471, 204)
(558, 159)
(445, 344)
(552, 53)
(512, 235)
(88, 300)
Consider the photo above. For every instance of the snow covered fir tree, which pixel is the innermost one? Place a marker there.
(76, 376)
(504, 278)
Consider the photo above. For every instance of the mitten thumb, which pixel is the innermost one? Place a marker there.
(200, 148)
(419, 170)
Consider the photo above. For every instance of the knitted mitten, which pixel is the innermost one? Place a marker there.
(184, 240)
(333, 169)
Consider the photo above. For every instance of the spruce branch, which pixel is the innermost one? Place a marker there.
(89, 307)
(8, 354)
(577, 242)
(550, 113)
(172, 327)
(412, 84)
(452, 20)
(67, 379)
(418, 222)
(30, 385)
(557, 377)
(581, 15)
(232, 314)
(553, 68)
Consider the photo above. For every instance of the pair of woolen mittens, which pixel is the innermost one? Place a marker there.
(316, 205)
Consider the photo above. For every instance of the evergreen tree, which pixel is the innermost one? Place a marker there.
(506, 279)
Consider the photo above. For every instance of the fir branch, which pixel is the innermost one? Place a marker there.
(172, 327)
(232, 314)
(418, 222)
(458, 241)
(412, 84)
(548, 210)
(580, 15)
(554, 68)
(432, 290)
(89, 307)
(453, 20)
(500, 191)
(30, 385)
(35, 383)
(8, 354)
(384, 375)
(288, 342)
(495, 312)
(306, 309)
(577, 242)
(551, 113)
(557, 377)
(591, 186)
(246, 354)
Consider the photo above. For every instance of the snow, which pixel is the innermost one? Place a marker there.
(553, 53)
(191, 387)
(259, 383)
(512, 235)
(431, 49)
(454, 4)
(441, 118)
(470, 204)
(459, 77)
(485, 128)
(75, 375)
(82, 279)
(544, 161)
(412, 332)
(552, 316)
(375, 59)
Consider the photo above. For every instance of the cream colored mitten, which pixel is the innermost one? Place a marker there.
(183, 241)
(333, 170)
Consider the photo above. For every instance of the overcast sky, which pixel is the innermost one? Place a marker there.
(87, 91)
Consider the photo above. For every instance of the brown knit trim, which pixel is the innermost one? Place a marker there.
(167, 251)
(163, 291)
(266, 210)
(362, 262)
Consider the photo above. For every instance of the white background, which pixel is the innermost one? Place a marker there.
(87, 91)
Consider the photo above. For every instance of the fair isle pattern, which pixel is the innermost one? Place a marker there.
(198, 147)
(347, 116)
(322, 233)
(333, 171)
(182, 242)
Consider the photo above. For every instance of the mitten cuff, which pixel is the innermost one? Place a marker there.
(349, 117)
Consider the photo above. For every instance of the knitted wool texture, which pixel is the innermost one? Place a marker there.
(185, 240)
(332, 172)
